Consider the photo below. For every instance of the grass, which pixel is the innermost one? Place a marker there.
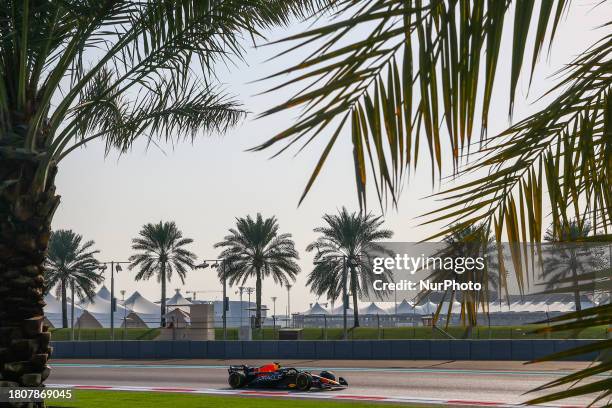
(360, 333)
(120, 399)
(104, 334)
(421, 332)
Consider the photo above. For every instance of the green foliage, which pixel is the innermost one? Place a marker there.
(345, 248)
(362, 333)
(160, 252)
(104, 334)
(422, 332)
(256, 249)
(161, 247)
(71, 265)
(73, 71)
(69, 260)
(473, 242)
(392, 71)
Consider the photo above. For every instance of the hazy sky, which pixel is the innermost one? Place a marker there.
(203, 186)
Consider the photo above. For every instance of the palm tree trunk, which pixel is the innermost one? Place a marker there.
(64, 304)
(258, 300)
(163, 295)
(354, 291)
(26, 210)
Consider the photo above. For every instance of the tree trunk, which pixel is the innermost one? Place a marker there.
(64, 304)
(354, 291)
(26, 210)
(163, 295)
(258, 300)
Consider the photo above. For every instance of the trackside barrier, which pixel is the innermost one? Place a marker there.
(518, 350)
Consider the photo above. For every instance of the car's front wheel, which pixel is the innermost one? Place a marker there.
(236, 379)
(303, 381)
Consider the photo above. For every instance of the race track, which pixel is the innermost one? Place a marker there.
(467, 383)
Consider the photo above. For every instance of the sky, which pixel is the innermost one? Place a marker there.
(203, 186)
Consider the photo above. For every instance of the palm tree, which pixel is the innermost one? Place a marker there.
(160, 253)
(71, 263)
(255, 249)
(78, 71)
(567, 257)
(347, 242)
(398, 74)
(472, 242)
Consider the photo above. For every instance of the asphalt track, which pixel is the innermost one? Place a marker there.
(467, 383)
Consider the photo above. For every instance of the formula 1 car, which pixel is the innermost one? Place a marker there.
(275, 376)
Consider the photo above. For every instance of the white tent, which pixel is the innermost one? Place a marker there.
(316, 309)
(426, 308)
(403, 308)
(559, 307)
(99, 307)
(521, 306)
(146, 310)
(53, 311)
(88, 321)
(583, 305)
(104, 293)
(339, 311)
(455, 309)
(179, 300)
(541, 306)
(497, 307)
(372, 309)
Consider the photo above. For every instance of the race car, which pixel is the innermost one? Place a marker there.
(274, 376)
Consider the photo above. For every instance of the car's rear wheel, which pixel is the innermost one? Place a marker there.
(303, 382)
(236, 379)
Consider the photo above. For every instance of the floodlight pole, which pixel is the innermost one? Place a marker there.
(113, 302)
(219, 263)
(289, 305)
(225, 306)
(344, 299)
(241, 289)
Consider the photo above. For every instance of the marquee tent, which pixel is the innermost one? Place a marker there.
(178, 299)
(53, 311)
(372, 309)
(339, 311)
(316, 309)
(426, 308)
(99, 308)
(147, 311)
(403, 308)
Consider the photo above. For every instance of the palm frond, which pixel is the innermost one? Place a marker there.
(391, 71)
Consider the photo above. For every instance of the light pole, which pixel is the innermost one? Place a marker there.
(273, 305)
(288, 304)
(219, 263)
(115, 266)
